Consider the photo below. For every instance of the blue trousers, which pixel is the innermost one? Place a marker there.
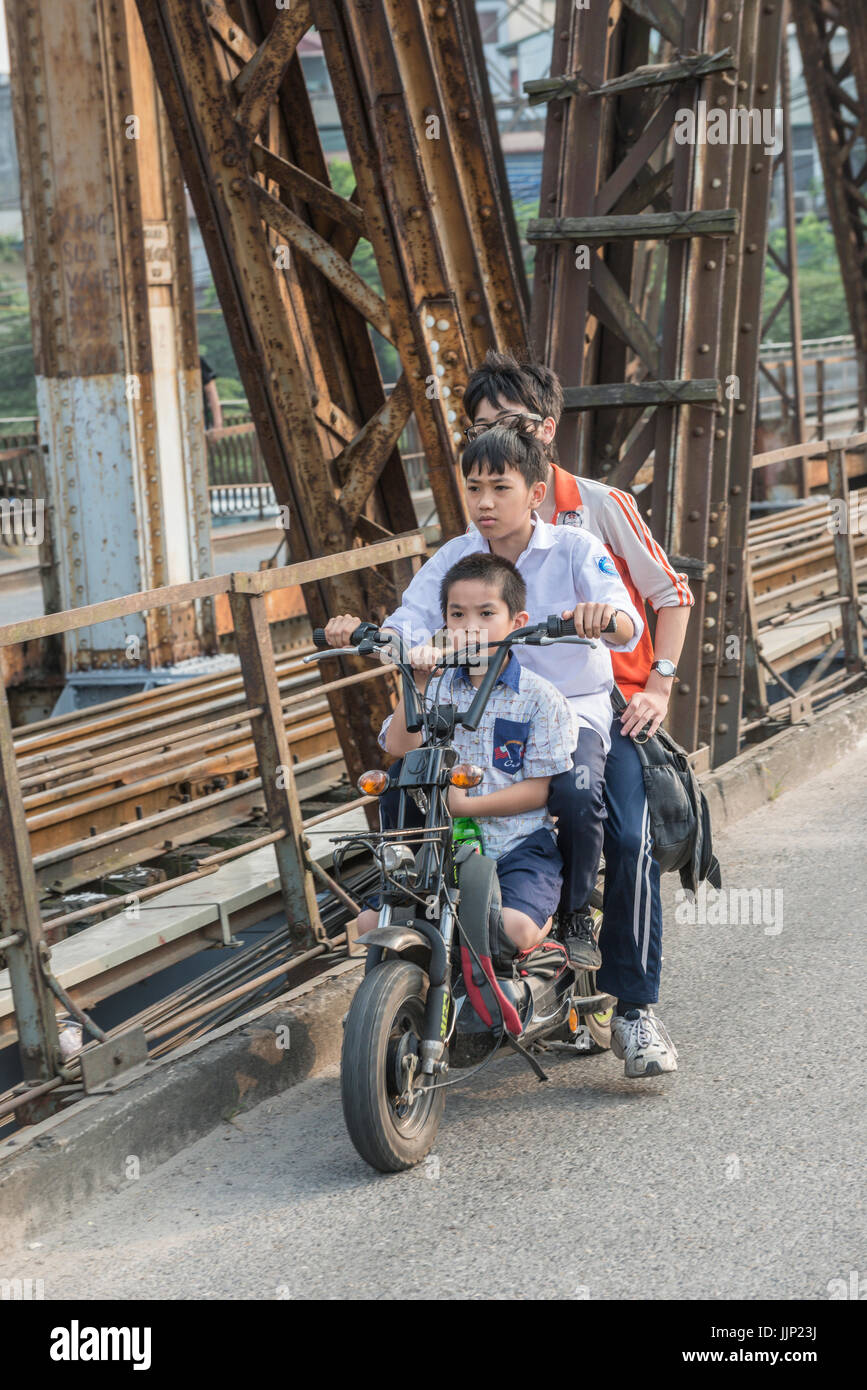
(631, 937)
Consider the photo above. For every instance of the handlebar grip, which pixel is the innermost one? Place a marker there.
(612, 623)
(319, 638)
(561, 627)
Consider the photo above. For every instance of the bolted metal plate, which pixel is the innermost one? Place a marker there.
(101, 1062)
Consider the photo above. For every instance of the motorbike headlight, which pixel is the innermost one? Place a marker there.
(398, 859)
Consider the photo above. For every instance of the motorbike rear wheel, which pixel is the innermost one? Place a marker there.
(383, 1027)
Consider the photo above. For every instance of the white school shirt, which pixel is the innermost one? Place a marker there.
(561, 566)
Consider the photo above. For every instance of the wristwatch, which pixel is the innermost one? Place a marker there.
(664, 667)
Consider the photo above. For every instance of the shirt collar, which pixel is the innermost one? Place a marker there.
(510, 674)
(542, 537)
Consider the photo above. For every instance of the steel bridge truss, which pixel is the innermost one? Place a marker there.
(430, 199)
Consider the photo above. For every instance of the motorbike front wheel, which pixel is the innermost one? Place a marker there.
(383, 1027)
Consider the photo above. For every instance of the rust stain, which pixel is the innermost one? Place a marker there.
(245, 1084)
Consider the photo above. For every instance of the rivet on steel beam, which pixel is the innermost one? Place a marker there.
(736, 490)
(485, 212)
(506, 305)
(713, 516)
(730, 595)
(440, 12)
(722, 728)
(752, 247)
(237, 186)
(416, 213)
(230, 156)
(705, 347)
(716, 183)
(694, 515)
(757, 168)
(719, 434)
(711, 595)
(722, 699)
(473, 297)
(710, 265)
(740, 407)
(708, 647)
(608, 450)
(698, 431)
(713, 540)
(479, 320)
(463, 113)
(704, 700)
(727, 17)
(731, 569)
(746, 328)
(683, 689)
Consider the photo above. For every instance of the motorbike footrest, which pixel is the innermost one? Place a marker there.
(593, 1003)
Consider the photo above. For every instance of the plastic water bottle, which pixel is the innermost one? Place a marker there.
(465, 830)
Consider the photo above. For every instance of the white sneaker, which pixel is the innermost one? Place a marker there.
(639, 1038)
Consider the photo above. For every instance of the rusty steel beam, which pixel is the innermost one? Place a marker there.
(116, 357)
(733, 658)
(21, 925)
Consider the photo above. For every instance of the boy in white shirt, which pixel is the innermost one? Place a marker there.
(565, 571)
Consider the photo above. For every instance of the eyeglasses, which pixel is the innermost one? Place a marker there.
(524, 421)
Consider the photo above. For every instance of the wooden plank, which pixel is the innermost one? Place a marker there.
(641, 226)
(607, 395)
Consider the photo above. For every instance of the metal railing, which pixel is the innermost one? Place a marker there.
(22, 941)
(806, 564)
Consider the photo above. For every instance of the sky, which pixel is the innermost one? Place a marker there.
(4, 47)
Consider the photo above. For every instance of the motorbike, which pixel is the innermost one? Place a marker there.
(444, 990)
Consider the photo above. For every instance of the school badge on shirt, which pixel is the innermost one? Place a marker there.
(570, 519)
(510, 741)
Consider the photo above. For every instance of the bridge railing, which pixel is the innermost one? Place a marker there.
(34, 987)
(806, 564)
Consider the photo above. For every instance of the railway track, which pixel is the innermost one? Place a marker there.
(120, 784)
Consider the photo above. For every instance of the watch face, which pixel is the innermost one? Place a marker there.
(665, 668)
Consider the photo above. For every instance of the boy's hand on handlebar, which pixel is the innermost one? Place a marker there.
(591, 619)
(339, 630)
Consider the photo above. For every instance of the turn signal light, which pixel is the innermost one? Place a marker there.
(466, 775)
(373, 783)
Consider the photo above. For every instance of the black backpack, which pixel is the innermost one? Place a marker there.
(679, 813)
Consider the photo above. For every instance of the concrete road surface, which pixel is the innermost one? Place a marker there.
(741, 1176)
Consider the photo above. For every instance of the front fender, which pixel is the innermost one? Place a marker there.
(403, 941)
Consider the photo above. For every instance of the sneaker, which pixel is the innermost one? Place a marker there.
(639, 1038)
(579, 937)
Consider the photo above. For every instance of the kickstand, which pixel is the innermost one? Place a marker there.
(522, 1051)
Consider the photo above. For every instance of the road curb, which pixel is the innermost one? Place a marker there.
(783, 762)
(164, 1106)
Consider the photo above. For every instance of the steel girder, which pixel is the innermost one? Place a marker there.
(430, 199)
(609, 151)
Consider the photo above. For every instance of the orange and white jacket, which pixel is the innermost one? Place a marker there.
(642, 564)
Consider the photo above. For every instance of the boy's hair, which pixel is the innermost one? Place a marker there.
(531, 384)
(498, 449)
(491, 569)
